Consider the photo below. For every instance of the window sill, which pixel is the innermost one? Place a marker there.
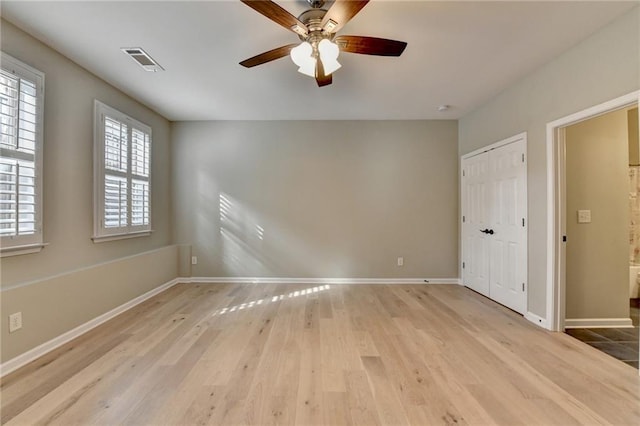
(20, 250)
(115, 237)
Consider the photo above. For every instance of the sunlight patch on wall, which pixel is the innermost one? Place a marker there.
(242, 238)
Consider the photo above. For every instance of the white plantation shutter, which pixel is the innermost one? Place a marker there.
(115, 202)
(140, 184)
(17, 197)
(115, 173)
(115, 145)
(123, 154)
(139, 202)
(140, 160)
(21, 105)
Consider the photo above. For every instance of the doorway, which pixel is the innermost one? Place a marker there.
(588, 227)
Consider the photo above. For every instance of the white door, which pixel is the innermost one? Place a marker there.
(494, 228)
(508, 242)
(475, 246)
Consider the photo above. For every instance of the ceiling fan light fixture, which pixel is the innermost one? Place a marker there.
(329, 56)
(302, 56)
(308, 68)
(316, 27)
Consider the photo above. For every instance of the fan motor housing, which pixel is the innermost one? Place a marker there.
(316, 4)
(312, 18)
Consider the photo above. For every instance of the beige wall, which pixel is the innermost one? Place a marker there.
(68, 166)
(55, 305)
(602, 67)
(597, 179)
(68, 205)
(317, 198)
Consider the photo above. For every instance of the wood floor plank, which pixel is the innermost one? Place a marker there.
(261, 354)
(207, 407)
(335, 410)
(309, 401)
(388, 403)
(362, 404)
(332, 357)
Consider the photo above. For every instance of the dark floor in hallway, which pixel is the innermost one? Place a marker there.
(620, 343)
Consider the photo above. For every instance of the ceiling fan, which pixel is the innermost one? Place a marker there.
(317, 55)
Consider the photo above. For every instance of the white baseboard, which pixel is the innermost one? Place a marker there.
(537, 320)
(598, 323)
(269, 280)
(21, 360)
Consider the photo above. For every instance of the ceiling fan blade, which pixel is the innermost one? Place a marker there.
(340, 13)
(278, 15)
(370, 45)
(321, 79)
(272, 55)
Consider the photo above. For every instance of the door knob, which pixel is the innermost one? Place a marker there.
(490, 232)
(487, 231)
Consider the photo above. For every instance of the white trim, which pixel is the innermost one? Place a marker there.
(276, 280)
(537, 320)
(19, 250)
(21, 360)
(115, 237)
(554, 281)
(100, 233)
(598, 323)
(495, 145)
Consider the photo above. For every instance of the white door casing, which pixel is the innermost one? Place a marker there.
(494, 229)
(556, 214)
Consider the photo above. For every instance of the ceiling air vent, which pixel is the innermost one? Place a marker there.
(143, 59)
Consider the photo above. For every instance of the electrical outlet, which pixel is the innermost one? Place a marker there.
(194, 260)
(401, 261)
(15, 322)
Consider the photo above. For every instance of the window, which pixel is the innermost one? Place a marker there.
(122, 184)
(21, 117)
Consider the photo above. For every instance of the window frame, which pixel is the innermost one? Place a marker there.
(100, 233)
(25, 244)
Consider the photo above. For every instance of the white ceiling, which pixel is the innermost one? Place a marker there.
(459, 53)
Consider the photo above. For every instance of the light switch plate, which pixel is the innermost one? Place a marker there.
(584, 216)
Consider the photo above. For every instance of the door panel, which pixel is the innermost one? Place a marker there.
(508, 272)
(475, 272)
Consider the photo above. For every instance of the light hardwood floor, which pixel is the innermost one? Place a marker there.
(303, 354)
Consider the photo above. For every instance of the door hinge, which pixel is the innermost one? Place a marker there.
(564, 238)
(522, 286)
(463, 219)
(523, 221)
(463, 173)
(462, 265)
(523, 158)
